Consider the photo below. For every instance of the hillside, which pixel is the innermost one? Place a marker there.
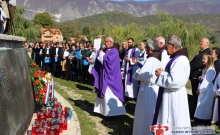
(63, 10)
(208, 20)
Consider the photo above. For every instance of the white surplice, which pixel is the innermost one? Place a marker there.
(217, 91)
(165, 58)
(174, 110)
(144, 54)
(147, 97)
(110, 105)
(206, 96)
(91, 65)
(131, 90)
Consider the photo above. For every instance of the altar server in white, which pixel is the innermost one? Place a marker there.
(216, 114)
(203, 113)
(148, 90)
(172, 102)
(129, 68)
(165, 57)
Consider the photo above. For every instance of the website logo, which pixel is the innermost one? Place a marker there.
(159, 129)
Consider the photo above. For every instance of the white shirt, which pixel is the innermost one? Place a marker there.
(57, 51)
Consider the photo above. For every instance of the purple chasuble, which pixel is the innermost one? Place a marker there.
(130, 67)
(181, 52)
(218, 109)
(108, 74)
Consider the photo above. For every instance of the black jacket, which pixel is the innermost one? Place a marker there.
(217, 67)
(53, 53)
(196, 64)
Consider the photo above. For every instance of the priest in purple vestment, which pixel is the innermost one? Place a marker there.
(108, 84)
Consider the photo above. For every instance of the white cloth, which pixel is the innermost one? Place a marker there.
(131, 90)
(217, 91)
(47, 51)
(57, 51)
(206, 96)
(93, 57)
(3, 15)
(174, 110)
(147, 97)
(110, 105)
(65, 54)
(144, 58)
(165, 58)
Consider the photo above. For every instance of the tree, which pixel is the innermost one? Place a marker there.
(87, 31)
(44, 20)
(24, 27)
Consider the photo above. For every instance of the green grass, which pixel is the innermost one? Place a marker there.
(87, 127)
(84, 104)
(82, 99)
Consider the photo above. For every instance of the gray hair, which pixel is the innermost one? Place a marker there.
(110, 38)
(153, 44)
(175, 40)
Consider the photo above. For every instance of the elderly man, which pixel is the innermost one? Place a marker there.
(172, 102)
(129, 68)
(108, 84)
(148, 90)
(196, 67)
(165, 57)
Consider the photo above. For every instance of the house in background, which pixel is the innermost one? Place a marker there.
(54, 35)
(80, 38)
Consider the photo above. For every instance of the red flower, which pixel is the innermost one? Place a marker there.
(42, 91)
(38, 69)
(42, 75)
(36, 96)
(37, 82)
(34, 64)
(36, 75)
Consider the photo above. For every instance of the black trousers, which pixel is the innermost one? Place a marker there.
(194, 84)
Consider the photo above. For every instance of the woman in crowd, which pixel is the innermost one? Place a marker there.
(87, 54)
(143, 54)
(37, 50)
(72, 63)
(65, 62)
(47, 51)
(79, 61)
(124, 47)
(42, 55)
(216, 114)
(216, 58)
(203, 113)
(147, 96)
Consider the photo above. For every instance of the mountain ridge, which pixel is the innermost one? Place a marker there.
(68, 10)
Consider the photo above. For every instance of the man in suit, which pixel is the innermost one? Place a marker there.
(196, 67)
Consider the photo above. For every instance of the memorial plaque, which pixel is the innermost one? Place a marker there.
(16, 93)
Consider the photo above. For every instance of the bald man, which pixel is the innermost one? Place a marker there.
(196, 67)
(165, 57)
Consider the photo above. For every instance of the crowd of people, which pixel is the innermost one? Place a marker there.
(154, 73)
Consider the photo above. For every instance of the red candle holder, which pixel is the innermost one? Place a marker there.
(65, 125)
(33, 129)
(38, 115)
(61, 126)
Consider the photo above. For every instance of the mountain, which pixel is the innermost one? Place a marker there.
(115, 17)
(64, 10)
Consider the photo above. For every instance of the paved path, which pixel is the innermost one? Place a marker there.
(73, 126)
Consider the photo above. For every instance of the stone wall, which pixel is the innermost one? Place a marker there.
(16, 93)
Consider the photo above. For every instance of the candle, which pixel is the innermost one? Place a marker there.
(65, 125)
(61, 126)
(33, 129)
